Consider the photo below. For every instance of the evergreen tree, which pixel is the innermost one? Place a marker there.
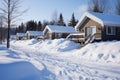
(73, 21)
(39, 26)
(61, 20)
(35, 25)
(31, 25)
(16, 30)
(22, 27)
(52, 22)
(44, 24)
(19, 29)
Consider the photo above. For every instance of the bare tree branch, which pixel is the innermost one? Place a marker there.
(118, 7)
(4, 11)
(11, 11)
(97, 5)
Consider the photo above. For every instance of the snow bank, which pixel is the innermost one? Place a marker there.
(23, 70)
(56, 45)
(19, 71)
(74, 64)
(15, 67)
(101, 52)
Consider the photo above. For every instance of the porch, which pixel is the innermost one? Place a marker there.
(78, 37)
(81, 38)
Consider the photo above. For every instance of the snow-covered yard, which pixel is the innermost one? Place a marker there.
(59, 60)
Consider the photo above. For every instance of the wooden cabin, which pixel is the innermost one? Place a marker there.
(57, 32)
(20, 36)
(34, 34)
(99, 26)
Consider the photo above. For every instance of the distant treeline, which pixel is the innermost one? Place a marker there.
(39, 26)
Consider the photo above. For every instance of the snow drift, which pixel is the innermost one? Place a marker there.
(19, 71)
(55, 46)
(23, 70)
(101, 52)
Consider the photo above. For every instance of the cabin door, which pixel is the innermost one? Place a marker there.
(93, 31)
(90, 30)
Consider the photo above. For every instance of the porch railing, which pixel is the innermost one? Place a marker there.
(90, 38)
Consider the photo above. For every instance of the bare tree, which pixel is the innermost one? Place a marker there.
(11, 11)
(118, 7)
(1, 29)
(97, 5)
(54, 17)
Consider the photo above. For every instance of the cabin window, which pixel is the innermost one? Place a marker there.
(58, 35)
(110, 30)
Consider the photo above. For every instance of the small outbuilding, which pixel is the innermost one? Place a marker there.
(34, 34)
(57, 32)
(20, 36)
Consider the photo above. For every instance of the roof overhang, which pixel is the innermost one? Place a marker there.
(57, 31)
(47, 28)
(88, 15)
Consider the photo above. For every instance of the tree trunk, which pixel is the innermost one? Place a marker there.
(8, 30)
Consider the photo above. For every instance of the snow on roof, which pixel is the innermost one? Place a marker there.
(20, 34)
(35, 33)
(102, 18)
(60, 29)
(76, 34)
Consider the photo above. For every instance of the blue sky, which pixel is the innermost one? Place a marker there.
(40, 10)
(44, 9)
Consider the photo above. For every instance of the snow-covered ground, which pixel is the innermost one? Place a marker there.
(59, 60)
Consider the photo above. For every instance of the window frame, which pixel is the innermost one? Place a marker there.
(58, 35)
(112, 32)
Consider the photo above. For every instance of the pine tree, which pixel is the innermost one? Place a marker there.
(16, 30)
(45, 23)
(39, 26)
(52, 22)
(35, 25)
(31, 25)
(22, 27)
(61, 20)
(73, 21)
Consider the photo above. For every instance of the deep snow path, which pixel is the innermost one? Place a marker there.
(66, 69)
(12, 67)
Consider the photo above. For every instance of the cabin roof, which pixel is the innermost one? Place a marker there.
(35, 33)
(102, 18)
(60, 29)
(20, 34)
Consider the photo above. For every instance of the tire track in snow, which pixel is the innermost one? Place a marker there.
(64, 67)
